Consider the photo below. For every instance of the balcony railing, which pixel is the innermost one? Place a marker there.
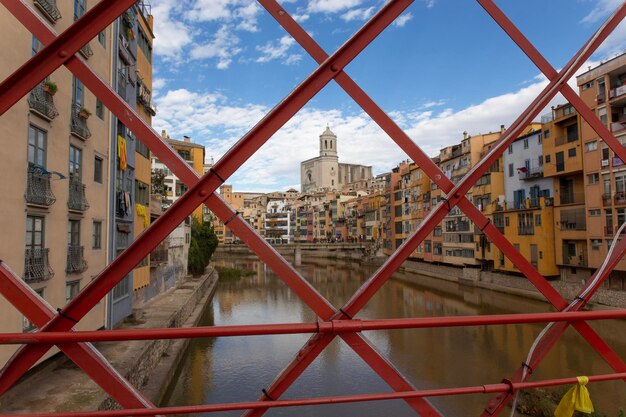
(530, 173)
(86, 51)
(36, 265)
(41, 102)
(49, 9)
(77, 200)
(574, 260)
(619, 198)
(616, 92)
(608, 231)
(606, 199)
(562, 140)
(79, 123)
(38, 190)
(75, 259)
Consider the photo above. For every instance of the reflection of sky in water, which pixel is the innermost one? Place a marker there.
(237, 368)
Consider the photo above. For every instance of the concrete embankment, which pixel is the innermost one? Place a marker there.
(148, 365)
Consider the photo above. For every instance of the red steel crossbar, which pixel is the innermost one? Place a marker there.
(504, 386)
(60, 50)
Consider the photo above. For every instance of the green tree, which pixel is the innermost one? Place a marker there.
(203, 244)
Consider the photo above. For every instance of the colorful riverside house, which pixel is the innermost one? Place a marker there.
(54, 196)
(603, 89)
(526, 213)
(563, 163)
(143, 169)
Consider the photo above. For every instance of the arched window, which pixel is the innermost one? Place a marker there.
(325, 144)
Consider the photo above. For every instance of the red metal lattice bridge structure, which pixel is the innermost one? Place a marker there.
(56, 326)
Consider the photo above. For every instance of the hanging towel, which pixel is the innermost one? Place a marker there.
(121, 151)
(142, 212)
(577, 398)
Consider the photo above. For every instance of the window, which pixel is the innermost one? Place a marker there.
(596, 243)
(548, 159)
(546, 133)
(142, 193)
(102, 38)
(602, 115)
(99, 109)
(510, 149)
(71, 290)
(587, 85)
(37, 139)
(27, 325)
(142, 149)
(73, 233)
(572, 132)
(121, 290)
(506, 221)
(78, 92)
(34, 232)
(97, 169)
(571, 152)
(593, 178)
(79, 8)
(510, 170)
(594, 213)
(97, 235)
(560, 161)
(591, 146)
(526, 143)
(538, 220)
(36, 46)
(76, 157)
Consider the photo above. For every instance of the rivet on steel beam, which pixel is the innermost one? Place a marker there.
(334, 68)
(203, 193)
(63, 54)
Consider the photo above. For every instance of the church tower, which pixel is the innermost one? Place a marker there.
(328, 143)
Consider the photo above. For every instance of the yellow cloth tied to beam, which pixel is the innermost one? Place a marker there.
(142, 212)
(577, 398)
(121, 151)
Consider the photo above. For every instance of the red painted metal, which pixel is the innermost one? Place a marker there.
(340, 399)
(59, 51)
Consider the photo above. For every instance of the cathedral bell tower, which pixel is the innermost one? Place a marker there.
(328, 143)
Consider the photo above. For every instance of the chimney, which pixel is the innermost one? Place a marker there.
(186, 138)
(502, 129)
(465, 135)
(163, 134)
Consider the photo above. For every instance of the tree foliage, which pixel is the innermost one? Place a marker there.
(203, 244)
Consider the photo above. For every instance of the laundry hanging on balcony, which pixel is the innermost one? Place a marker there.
(121, 151)
(142, 212)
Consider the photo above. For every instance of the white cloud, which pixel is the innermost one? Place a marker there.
(241, 13)
(430, 3)
(358, 14)
(403, 19)
(331, 6)
(275, 50)
(602, 9)
(158, 83)
(223, 46)
(171, 33)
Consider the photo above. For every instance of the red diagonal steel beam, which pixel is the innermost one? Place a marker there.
(548, 70)
(370, 287)
(80, 305)
(85, 355)
(412, 150)
(18, 84)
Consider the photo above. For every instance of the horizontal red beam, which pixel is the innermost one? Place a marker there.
(340, 399)
(333, 326)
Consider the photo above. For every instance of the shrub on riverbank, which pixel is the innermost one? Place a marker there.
(203, 244)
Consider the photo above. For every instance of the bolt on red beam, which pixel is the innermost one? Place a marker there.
(51, 57)
(340, 399)
(323, 327)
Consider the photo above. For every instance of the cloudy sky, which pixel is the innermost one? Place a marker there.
(442, 68)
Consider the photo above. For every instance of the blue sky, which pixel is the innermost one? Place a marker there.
(442, 68)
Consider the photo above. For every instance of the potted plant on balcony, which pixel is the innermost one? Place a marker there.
(84, 113)
(50, 87)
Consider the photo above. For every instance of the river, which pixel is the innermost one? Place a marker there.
(238, 368)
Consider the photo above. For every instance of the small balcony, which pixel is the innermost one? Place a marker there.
(49, 9)
(619, 198)
(606, 199)
(77, 200)
(42, 103)
(579, 260)
(75, 259)
(530, 173)
(618, 91)
(608, 231)
(86, 51)
(79, 123)
(36, 265)
(38, 189)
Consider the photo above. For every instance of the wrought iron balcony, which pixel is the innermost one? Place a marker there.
(86, 51)
(49, 9)
(79, 123)
(77, 200)
(38, 189)
(530, 173)
(41, 102)
(75, 259)
(36, 265)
